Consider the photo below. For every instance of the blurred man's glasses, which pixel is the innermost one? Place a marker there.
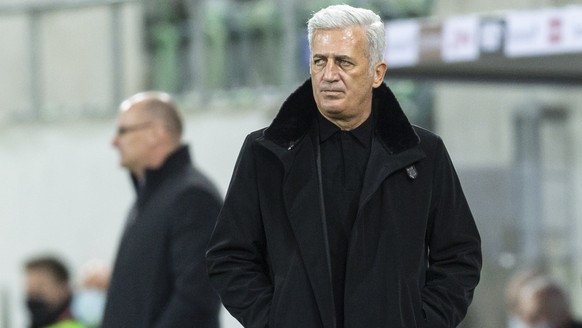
(130, 128)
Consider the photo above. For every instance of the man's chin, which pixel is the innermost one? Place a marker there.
(331, 111)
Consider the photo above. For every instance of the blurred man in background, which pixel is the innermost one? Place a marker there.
(48, 293)
(542, 303)
(513, 294)
(159, 278)
(90, 296)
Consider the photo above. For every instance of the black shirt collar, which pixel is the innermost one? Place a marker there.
(326, 128)
(363, 133)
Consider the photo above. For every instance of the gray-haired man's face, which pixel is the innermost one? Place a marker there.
(339, 68)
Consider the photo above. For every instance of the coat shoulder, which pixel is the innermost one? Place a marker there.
(429, 140)
(257, 134)
(425, 134)
(431, 143)
(202, 183)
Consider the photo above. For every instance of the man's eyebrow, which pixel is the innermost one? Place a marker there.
(342, 57)
(337, 57)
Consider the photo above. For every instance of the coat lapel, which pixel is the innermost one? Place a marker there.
(395, 144)
(301, 194)
(381, 164)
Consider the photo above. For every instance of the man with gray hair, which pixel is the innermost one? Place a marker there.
(341, 213)
(159, 278)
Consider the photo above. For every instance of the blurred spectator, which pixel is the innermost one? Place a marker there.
(544, 304)
(159, 277)
(516, 283)
(48, 293)
(89, 299)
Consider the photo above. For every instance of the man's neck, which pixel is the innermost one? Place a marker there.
(348, 124)
(157, 159)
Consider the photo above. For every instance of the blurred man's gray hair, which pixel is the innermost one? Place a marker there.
(344, 16)
(160, 105)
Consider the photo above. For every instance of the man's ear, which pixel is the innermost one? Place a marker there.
(379, 73)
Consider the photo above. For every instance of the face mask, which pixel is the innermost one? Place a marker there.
(88, 306)
(41, 313)
(515, 322)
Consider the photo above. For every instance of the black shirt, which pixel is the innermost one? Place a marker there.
(344, 155)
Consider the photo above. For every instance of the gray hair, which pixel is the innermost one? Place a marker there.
(160, 105)
(344, 16)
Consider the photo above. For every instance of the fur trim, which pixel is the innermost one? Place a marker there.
(393, 126)
(297, 112)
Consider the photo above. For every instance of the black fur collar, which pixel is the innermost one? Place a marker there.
(297, 112)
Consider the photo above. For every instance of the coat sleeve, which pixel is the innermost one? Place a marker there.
(193, 302)
(454, 248)
(236, 253)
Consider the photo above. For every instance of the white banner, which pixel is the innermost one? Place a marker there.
(460, 39)
(572, 41)
(544, 32)
(402, 39)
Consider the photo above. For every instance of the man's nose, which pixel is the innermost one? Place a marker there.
(330, 72)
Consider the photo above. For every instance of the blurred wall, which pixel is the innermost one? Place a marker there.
(68, 60)
(478, 124)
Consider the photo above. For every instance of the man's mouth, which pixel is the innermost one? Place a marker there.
(331, 91)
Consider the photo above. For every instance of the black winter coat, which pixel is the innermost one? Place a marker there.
(159, 278)
(414, 255)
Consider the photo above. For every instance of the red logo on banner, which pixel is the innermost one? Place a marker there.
(555, 35)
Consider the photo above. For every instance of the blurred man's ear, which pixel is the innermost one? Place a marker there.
(65, 292)
(157, 131)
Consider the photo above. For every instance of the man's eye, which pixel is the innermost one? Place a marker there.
(318, 62)
(345, 64)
